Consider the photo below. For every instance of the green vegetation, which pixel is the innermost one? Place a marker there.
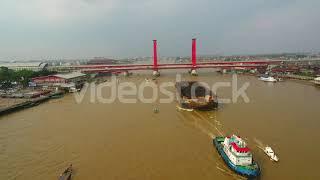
(7, 76)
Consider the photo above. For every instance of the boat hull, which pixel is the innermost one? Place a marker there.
(268, 79)
(211, 105)
(253, 171)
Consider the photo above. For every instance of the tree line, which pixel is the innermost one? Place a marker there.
(22, 77)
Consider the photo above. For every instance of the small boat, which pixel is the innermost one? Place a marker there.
(56, 95)
(268, 150)
(156, 110)
(237, 155)
(201, 99)
(67, 173)
(73, 90)
(317, 81)
(268, 79)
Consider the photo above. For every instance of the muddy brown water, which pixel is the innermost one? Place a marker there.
(130, 141)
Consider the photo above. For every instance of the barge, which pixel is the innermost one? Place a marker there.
(194, 95)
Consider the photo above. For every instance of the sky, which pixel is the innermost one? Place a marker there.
(42, 29)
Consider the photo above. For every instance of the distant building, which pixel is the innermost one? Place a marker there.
(69, 80)
(101, 61)
(33, 66)
(286, 69)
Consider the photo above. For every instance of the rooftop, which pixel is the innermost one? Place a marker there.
(70, 75)
(23, 64)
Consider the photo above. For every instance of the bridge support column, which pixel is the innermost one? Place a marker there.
(156, 73)
(155, 60)
(193, 71)
(126, 73)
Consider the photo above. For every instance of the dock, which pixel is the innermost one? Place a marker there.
(24, 105)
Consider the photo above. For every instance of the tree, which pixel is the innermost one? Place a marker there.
(22, 76)
(6, 74)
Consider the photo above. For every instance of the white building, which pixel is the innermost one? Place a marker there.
(33, 66)
(74, 79)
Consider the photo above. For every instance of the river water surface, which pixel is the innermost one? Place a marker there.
(130, 141)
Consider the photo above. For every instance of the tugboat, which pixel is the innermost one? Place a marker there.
(237, 155)
(202, 99)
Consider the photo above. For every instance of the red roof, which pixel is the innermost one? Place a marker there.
(239, 149)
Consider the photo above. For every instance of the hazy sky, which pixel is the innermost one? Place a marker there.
(125, 28)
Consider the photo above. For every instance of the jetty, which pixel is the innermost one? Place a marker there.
(27, 104)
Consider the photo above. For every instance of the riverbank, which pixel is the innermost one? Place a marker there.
(7, 102)
(297, 77)
(140, 144)
(10, 105)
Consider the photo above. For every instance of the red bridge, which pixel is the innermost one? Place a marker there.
(191, 66)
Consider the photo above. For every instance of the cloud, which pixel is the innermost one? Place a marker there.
(290, 28)
(62, 11)
(77, 28)
(58, 11)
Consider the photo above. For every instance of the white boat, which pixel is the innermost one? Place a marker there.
(268, 150)
(268, 79)
(317, 81)
(73, 90)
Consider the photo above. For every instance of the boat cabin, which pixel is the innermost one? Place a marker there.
(237, 151)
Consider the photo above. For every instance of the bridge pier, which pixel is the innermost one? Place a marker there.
(224, 71)
(156, 73)
(125, 73)
(193, 72)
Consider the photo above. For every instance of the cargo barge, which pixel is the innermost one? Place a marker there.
(194, 95)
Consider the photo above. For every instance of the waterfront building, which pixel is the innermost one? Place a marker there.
(69, 80)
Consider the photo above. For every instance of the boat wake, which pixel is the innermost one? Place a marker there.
(209, 125)
(206, 123)
(259, 143)
(225, 170)
(203, 126)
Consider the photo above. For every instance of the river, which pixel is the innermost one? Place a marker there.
(131, 141)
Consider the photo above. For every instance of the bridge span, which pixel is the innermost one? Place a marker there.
(155, 67)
